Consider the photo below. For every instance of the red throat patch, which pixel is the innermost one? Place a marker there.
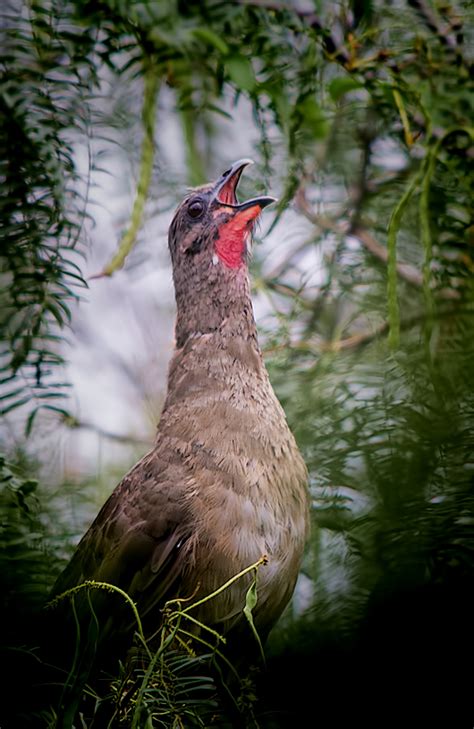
(231, 241)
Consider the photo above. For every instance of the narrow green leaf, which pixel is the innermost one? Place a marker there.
(30, 421)
(151, 81)
(212, 39)
(60, 411)
(393, 228)
(56, 312)
(250, 603)
(12, 393)
(50, 395)
(342, 85)
(14, 405)
(27, 487)
(241, 72)
(313, 117)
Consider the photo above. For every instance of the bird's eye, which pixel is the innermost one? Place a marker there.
(196, 209)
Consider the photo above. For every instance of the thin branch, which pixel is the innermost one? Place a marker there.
(331, 45)
(151, 82)
(285, 290)
(405, 271)
(432, 22)
(408, 273)
(74, 424)
(360, 190)
(357, 341)
(280, 269)
(323, 222)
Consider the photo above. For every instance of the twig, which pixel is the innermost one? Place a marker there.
(360, 340)
(408, 273)
(357, 341)
(151, 86)
(280, 269)
(285, 290)
(73, 423)
(360, 190)
(322, 222)
(333, 48)
(431, 21)
(405, 271)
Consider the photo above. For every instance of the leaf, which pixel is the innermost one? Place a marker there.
(51, 395)
(30, 421)
(60, 411)
(217, 110)
(342, 85)
(12, 393)
(211, 38)
(312, 117)
(27, 487)
(363, 11)
(55, 310)
(250, 602)
(13, 406)
(241, 73)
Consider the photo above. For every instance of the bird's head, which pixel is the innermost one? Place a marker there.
(209, 240)
(211, 227)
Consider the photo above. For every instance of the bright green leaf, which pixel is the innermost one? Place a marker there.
(241, 73)
(313, 117)
(212, 39)
(342, 85)
(250, 602)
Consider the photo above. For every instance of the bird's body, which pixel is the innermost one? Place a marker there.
(221, 488)
(224, 483)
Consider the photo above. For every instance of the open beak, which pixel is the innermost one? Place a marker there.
(225, 197)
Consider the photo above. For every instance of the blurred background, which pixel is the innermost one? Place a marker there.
(358, 116)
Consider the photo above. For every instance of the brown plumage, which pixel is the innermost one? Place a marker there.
(224, 483)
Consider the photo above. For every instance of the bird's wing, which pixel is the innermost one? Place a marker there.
(138, 539)
(139, 542)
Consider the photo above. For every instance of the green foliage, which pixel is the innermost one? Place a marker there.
(41, 89)
(159, 681)
(363, 112)
(27, 562)
(146, 169)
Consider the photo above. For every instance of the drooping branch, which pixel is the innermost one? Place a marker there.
(75, 424)
(433, 23)
(336, 50)
(151, 85)
(405, 271)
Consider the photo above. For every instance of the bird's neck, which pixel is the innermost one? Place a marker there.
(218, 304)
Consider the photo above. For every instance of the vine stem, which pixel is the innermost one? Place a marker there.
(262, 561)
(393, 228)
(423, 178)
(129, 238)
(107, 587)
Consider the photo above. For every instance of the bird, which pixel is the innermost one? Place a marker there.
(224, 484)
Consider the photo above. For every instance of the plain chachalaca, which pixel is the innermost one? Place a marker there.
(224, 483)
